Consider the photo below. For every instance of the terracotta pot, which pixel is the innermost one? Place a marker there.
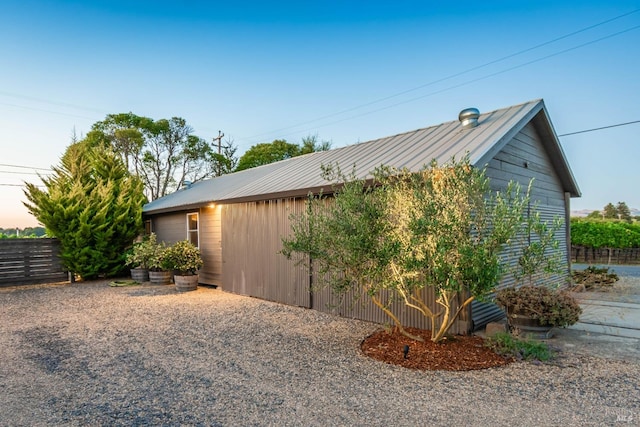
(140, 275)
(186, 283)
(160, 277)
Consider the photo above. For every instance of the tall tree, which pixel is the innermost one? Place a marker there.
(610, 211)
(93, 205)
(163, 153)
(268, 152)
(624, 212)
(225, 160)
(311, 144)
(279, 149)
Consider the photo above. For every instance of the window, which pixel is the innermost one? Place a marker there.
(192, 229)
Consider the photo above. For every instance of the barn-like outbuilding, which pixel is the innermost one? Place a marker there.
(238, 220)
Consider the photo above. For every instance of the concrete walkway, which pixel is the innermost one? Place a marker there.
(610, 314)
(610, 322)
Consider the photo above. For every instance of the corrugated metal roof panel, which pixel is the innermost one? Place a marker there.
(412, 150)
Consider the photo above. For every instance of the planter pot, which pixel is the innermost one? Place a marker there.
(160, 277)
(186, 283)
(529, 327)
(140, 274)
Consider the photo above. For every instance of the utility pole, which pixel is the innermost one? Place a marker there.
(219, 139)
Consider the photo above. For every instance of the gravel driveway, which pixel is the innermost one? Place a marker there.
(90, 354)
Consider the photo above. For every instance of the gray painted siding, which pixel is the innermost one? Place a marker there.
(252, 264)
(210, 237)
(362, 308)
(509, 164)
(170, 228)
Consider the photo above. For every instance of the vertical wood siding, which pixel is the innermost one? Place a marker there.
(252, 264)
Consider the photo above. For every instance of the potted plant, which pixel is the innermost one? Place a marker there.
(185, 260)
(533, 307)
(538, 309)
(140, 256)
(159, 273)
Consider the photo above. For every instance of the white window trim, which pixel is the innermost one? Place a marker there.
(197, 230)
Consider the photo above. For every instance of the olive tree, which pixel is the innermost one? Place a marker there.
(399, 234)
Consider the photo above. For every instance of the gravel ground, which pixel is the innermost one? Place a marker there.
(90, 354)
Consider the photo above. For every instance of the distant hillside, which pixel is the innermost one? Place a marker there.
(585, 212)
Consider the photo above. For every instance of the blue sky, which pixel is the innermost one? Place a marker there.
(344, 70)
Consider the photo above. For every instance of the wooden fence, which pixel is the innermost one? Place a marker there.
(28, 261)
(582, 254)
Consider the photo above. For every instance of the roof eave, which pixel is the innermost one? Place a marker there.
(539, 116)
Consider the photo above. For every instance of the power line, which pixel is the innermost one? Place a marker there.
(600, 128)
(46, 101)
(19, 185)
(468, 82)
(24, 167)
(21, 173)
(457, 75)
(47, 111)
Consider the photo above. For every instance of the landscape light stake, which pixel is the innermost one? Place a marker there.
(405, 350)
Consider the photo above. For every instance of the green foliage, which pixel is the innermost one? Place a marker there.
(280, 149)
(25, 233)
(402, 232)
(93, 205)
(144, 253)
(551, 306)
(265, 153)
(604, 234)
(539, 255)
(623, 212)
(183, 257)
(507, 345)
(610, 211)
(163, 153)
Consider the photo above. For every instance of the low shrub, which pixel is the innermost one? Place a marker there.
(506, 344)
(592, 277)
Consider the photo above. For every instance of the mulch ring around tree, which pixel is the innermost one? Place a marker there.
(455, 353)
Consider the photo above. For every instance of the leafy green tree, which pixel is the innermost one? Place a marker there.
(311, 144)
(163, 153)
(93, 205)
(610, 211)
(280, 149)
(265, 153)
(595, 215)
(440, 229)
(225, 160)
(624, 213)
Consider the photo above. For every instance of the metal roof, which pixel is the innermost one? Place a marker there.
(300, 175)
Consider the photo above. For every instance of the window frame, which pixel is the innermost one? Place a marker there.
(192, 231)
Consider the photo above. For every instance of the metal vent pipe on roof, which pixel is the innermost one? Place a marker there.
(469, 117)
